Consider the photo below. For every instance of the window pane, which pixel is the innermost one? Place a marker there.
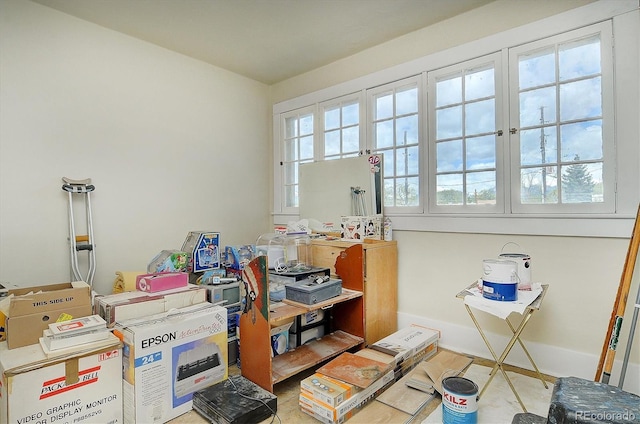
(581, 99)
(481, 152)
(539, 185)
(351, 114)
(537, 68)
(389, 192)
(290, 172)
(407, 101)
(388, 164)
(449, 122)
(449, 91)
(291, 150)
(481, 188)
(407, 191)
(306, 148)
(538, 146)
(384, 107)
(384, 135)
(582, 183)
(480, 117)
(449, 187)
(449, 156)
(332, 143)
(306, 125)
(407, 161)
(582, 139)
(290, 127)
(479, 84)
(332, 118)
(579, 58)
(537, 107)
(407, 130)
(351, 139)
(291, 196)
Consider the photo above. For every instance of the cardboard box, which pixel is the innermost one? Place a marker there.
(26, 312)
(361, 227)
(81, 387)
(169, 356)
(203, 248)
(326, 389)
(138, 304)
(407, 343)
(346, 408)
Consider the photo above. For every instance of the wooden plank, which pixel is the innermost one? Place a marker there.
(605, 364)
(378, 412)
(405, 398)
(311, 354)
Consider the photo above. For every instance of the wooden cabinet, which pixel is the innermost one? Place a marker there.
(365, 312)
(375, 273)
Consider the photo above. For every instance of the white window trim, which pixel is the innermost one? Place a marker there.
(626, 17)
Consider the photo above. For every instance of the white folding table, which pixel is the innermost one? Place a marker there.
(502, 310)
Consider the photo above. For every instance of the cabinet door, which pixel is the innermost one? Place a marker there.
(381, 290)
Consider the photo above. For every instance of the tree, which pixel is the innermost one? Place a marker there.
(577, 183)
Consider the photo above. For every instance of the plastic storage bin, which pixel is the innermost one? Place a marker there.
(286, 252)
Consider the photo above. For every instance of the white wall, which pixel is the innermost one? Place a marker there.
(171, 144)
(567, 335)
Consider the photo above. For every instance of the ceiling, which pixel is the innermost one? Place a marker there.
(265, 40)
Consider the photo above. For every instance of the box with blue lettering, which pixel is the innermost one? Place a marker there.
(77, 387)
(167, 357)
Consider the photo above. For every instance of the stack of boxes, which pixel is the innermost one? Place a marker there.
(333, 400)
(81, 386)
(335, 397)
(408, 347)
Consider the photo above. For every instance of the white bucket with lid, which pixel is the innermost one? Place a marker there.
(499, 279)
(524, 264)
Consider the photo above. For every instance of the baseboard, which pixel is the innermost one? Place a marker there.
(551, 360)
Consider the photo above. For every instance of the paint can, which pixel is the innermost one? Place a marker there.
(524, 265)
(459, 401)
(500, 279)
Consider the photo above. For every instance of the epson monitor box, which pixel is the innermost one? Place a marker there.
(82, 387)
(167, 357)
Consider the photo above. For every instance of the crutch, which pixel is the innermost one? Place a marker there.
(79, 243)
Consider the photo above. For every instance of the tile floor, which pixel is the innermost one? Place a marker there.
(289, 390)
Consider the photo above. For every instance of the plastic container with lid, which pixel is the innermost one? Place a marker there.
(286, 252)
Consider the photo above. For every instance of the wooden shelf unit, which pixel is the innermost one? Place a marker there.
(360, 266)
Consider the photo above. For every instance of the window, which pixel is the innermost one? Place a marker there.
(519, 124)
(562, 127)
(298, 148)
(465, 150)
(341, 128)
(395, 135)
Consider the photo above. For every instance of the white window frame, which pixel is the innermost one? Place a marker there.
(604, 30)
(339, 102)
(432, 77)
(625, 16)
(370, 107)
(280, 169)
